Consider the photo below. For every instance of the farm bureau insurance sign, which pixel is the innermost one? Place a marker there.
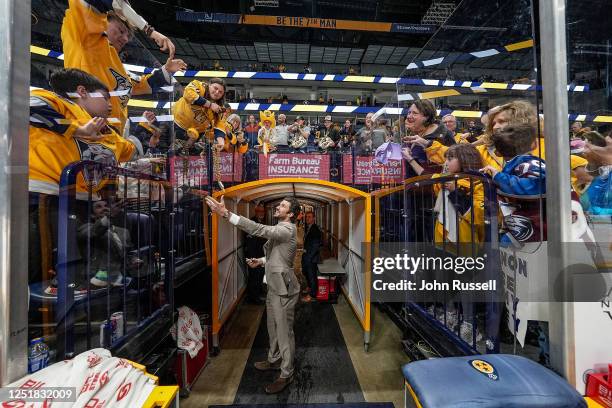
(314, 166)
(368, 170)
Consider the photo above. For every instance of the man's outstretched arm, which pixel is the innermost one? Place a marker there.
(277, 232)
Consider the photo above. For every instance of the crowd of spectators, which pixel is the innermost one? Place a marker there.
(72, 122)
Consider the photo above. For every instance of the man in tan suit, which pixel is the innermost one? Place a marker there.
(283, 286)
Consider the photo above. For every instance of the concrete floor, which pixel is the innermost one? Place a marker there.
(220, 379)
(378, 371)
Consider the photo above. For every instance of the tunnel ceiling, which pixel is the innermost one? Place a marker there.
(319, 190)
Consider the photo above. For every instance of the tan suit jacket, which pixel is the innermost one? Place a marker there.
(279, 254)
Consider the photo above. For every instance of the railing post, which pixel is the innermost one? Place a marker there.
(558, 199)
(14, 97)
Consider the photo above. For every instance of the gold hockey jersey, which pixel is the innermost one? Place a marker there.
(189, 111)
(86, 47)
(53, 121)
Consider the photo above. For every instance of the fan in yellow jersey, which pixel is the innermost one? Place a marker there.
(234, 139)
(93, 34)
(199, 112)
(63, 131)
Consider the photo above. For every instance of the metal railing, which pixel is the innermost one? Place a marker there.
(123, 245)
(427, 214)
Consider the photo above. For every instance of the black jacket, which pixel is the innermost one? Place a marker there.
(312, 243)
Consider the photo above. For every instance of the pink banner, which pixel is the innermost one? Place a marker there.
(231, 167)
(193, 170)
(368, 170)
(314, 166)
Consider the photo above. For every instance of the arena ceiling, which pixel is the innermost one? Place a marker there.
(476, 25)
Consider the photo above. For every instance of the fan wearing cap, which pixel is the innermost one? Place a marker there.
(330, 134)
(93, 34)
(299, 135)
(580, 177)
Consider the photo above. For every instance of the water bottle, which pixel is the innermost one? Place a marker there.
(38, 355)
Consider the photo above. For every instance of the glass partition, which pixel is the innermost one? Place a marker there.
(100, 231)
(589, 126)
(475, 78)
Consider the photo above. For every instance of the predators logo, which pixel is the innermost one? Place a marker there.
(200, 116)
(485, 369)
(122, 84)
(519, 226)
(98, 153)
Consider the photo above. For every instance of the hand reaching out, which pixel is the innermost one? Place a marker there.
(91, 130)
(174, 65)
(215, 206)
(163, 43)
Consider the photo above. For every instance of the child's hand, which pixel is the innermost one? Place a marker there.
(490, 170)
(149, 116)
(91, 130)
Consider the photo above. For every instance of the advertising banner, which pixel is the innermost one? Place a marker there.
(367, 170)
(193, 170)
(314, 166)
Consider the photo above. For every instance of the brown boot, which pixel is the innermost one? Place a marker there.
(266, 365)
(278, 385)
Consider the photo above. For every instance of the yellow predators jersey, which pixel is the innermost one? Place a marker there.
(53, 121)
(86, 47)
(489, 158)
(436, 153)
(189, 111)
(234, 140)
(473, 203)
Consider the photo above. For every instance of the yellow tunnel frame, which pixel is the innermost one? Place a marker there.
(300, 187)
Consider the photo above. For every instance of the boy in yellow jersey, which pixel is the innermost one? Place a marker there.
(93, 34)
(200, 112)
(64, 130)
(66, 125)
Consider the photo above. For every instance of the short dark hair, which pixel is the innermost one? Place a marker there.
(468, 156)
(66, 81)
(514, 140)
(427, 109)
(294, 207)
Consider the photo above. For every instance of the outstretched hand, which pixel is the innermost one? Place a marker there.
(215, 206)
(174, 65)
(163, 43)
